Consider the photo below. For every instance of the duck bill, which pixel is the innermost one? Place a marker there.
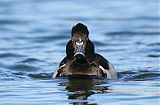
(79, 50)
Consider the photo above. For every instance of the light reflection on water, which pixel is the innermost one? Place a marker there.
(33, 35)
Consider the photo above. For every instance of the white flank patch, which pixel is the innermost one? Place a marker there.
(106, 72)
(111, 73)
(102, 68)
(56, 72)
(62, 66)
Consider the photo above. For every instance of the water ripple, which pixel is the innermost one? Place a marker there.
(141, 75)
(9, 55)
(31, 60)
(154, 56)
(23, 67)
(49, 38)
(41, 76)
(132, 33)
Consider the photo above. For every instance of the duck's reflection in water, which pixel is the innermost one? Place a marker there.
(81, 88)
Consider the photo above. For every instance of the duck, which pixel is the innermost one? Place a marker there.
(81, 58)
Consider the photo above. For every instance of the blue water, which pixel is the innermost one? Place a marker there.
(33, 36)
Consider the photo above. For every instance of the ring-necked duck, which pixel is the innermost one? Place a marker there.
(81, 58)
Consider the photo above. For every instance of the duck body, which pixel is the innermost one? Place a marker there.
(81, 58)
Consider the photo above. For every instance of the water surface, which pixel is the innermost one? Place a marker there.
(33, 36)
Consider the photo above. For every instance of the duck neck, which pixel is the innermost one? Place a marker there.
(90, 52)
(70, 50)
